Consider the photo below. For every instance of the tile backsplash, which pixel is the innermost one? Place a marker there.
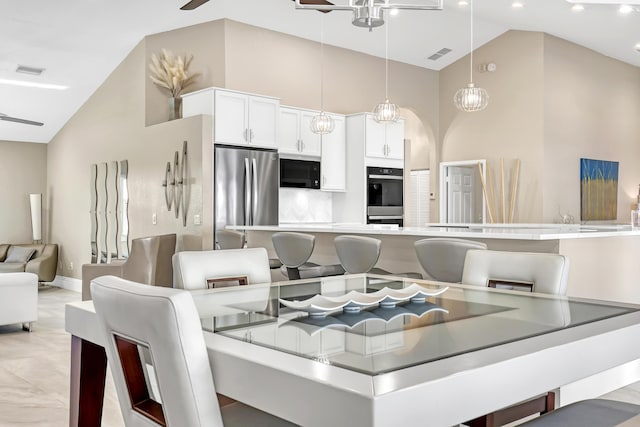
(305, 206)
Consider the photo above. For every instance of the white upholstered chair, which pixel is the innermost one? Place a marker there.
(192, 269)
(162, 322)
(532, 272)
(18, 299)
(538, 272)
(443, 258)
(294, 251)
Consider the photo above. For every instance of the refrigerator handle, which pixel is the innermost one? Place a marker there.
(254, 188)
(247, 192)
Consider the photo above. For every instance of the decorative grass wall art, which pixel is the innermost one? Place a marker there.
(598, 190)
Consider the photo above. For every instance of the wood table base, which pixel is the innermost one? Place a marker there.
(88, 374)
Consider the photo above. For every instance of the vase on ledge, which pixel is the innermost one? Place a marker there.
(175, 105)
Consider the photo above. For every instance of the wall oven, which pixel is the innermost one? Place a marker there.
(384, 196)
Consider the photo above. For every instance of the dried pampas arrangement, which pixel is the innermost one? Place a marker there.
(171, 72)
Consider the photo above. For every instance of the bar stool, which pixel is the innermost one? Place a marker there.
(359, 254)
(443, 259)
(294, 251)
(231, 239)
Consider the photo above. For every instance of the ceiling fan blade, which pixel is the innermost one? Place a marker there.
(17, 120)
(193, 4)
(320, 2)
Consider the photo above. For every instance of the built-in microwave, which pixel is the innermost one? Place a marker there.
(299, 173)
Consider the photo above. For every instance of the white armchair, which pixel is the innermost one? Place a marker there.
(18, 299)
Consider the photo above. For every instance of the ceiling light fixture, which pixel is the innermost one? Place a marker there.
(471, 98)
(32, 84)
(394, 12)
(370, 13)
(517, 5)
(463, 3)
(577, 7)
(607, 2)
(625, 9)
(386, 112)
(322, 124)
(637, 47)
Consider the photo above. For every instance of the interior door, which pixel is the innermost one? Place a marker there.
(460, 194)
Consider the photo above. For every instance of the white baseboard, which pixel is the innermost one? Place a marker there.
(68, 283)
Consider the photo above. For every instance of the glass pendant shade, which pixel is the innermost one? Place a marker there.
(322, 124)
(386, 112)
(471, 98)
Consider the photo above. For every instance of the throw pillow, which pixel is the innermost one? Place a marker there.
(19, 254)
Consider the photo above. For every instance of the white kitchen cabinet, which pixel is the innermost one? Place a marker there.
(295, 136)
(384, 141)
(238, 118)
(333, 159)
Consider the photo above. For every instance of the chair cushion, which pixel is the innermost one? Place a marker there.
(12, 267)
(19, 254)
(593, 412)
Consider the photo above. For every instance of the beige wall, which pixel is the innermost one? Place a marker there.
(511, 127)
(591, 110)
(23, 170)
(111, 126)
(552, 103)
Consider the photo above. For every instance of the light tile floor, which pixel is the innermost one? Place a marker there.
(34, 370)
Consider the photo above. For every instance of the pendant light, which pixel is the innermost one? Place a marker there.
(471, 98)
(386, 112)
(322, 123)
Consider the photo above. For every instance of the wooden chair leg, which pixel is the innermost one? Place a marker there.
(88, 375)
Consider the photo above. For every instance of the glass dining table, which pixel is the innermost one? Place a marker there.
(365, 350)
(369, 350)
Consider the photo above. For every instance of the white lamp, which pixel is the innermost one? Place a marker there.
(36, 216)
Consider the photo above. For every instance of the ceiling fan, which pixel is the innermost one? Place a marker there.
(197, 3)
(7, 118)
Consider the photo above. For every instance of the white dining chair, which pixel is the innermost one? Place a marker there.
(536, 272)
(194, 269)
(520, 271)
(163, 323)
(443, 258)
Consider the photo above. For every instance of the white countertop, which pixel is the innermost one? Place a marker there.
(477, 231)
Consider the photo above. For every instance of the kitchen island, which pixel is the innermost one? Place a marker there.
(604, 259)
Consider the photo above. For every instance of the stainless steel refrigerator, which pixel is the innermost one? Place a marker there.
(245, 186)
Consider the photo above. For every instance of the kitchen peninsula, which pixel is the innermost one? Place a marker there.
(604, 259)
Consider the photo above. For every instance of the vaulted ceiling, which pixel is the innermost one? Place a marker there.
(79, 42)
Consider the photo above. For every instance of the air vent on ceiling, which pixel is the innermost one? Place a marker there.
(439, 54)
(29, 70)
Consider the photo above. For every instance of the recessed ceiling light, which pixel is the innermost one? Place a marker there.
(463, 3)
(577, 8)
(32, 84)
(517, 5)
(625, 9)
(637, 47)
(394, 12)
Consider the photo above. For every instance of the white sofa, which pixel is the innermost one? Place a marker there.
(18, 299)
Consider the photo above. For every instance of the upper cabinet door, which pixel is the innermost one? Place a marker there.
(263, 121)
(289, 131)
(375, 138)
(310, 141)
(231, 118)
(395, 140)
(333, 160)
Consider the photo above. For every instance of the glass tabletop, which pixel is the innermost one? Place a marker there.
(395, 333)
